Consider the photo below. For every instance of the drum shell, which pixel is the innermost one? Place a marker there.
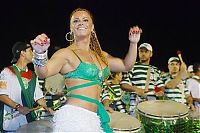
(194, 121)
(122, 123)
(43, 115)
(38, 126)
(162, 116)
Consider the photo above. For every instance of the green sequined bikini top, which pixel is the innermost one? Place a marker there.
(87, 71)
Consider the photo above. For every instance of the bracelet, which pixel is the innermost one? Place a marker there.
(40, 56)
(17, 106)
(39, 63)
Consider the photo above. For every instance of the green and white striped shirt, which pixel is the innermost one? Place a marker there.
(137, 76)
(177, 94)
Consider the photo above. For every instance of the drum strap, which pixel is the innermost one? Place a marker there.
(148, 79)
(28, 96)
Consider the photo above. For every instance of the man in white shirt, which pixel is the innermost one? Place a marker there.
(19, 90)
(193, 85)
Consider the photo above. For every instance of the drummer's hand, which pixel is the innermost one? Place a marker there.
(109, 109)
(191, 106)
(23, 110)
(141, 92)
(160, 93)
(50, 110)
(41, 43)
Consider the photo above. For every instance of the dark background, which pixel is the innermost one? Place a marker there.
(168, 26)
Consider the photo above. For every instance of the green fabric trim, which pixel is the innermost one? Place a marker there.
(101, 112)
(27, 98)
(1, 115)
(82, 86)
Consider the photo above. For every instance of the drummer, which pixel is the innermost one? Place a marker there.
(112, 92)
(175, 82)
(142, 80)
(19, 90)
(193, 84)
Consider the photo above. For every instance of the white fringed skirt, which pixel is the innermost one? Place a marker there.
(71, 118)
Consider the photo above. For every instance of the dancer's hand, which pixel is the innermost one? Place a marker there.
(41, 43)
(134, 34)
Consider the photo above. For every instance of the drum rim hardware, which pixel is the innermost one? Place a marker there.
(162, 117)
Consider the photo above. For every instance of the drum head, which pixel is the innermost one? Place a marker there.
(162, 109)
(123, 122)
(55, 84)
(40, 126)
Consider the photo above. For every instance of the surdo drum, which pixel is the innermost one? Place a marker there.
(43, 123)
(163, 116)
(195, 121)
(122, 123)
(38, 126)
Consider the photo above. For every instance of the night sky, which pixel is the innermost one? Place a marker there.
(168, 26)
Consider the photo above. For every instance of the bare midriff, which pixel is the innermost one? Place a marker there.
(89, 91)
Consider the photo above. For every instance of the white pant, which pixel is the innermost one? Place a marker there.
(71, 118)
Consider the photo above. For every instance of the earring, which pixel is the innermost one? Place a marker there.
(93, 33)
(70, 35)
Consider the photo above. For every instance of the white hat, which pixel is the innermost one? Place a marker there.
(173, 59)
(147, 46)
(190, 68)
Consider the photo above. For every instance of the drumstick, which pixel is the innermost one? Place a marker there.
(48, 90)
(179, 55)
(37, 108)
(181, 60)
